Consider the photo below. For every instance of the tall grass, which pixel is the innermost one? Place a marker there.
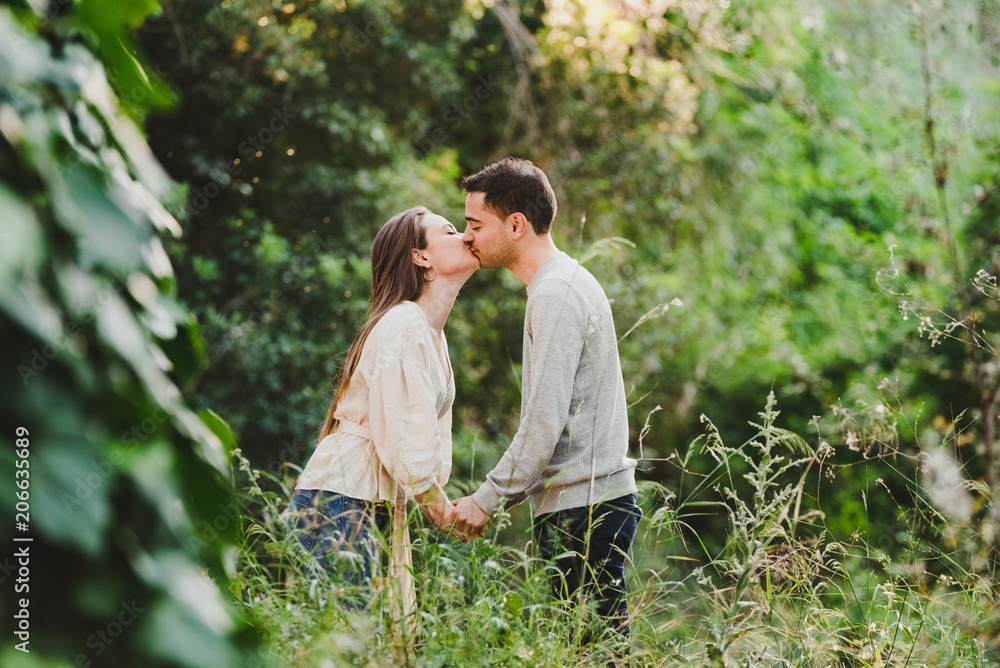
(778, 589)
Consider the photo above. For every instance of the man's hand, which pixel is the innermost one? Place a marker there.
(446, 523)
(470, 519)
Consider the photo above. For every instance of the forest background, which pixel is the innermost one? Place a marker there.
(796, 198)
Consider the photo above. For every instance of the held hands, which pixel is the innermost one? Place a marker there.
(445, 514)
(444, 517)
(470, 519)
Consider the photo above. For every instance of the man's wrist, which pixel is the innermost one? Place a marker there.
(487, 499)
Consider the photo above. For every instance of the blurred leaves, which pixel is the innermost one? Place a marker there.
(120, 467)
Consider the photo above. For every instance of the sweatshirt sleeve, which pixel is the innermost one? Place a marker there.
(404, 423)
(557, 326)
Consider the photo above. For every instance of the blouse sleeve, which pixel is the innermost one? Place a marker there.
(404, 422)
(444, 429)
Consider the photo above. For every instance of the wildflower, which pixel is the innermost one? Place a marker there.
(945, 485)
(825, 449)
(852, 441)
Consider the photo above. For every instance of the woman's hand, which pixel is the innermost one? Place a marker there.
(435, 505)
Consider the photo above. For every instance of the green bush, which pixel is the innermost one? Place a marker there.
(124, 531)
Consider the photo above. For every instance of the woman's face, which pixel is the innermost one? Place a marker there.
(445, 249)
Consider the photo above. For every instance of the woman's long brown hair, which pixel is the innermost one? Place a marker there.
(395, 279)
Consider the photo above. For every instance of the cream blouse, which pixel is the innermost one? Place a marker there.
(393, 439)
(393, 436)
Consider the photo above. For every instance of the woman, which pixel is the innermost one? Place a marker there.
(387, 434)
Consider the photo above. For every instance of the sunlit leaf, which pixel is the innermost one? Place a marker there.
(21, 245)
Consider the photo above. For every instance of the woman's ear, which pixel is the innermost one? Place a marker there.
(420, 258)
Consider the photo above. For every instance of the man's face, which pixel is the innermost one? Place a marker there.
(487, 235)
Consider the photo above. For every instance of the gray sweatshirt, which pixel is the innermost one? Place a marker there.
(571, 447)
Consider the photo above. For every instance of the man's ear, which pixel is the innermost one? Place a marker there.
(420, 258)
(519, 225)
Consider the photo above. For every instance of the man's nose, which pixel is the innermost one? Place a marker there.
(467, 237)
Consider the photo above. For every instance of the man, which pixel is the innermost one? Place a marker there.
(570, 451)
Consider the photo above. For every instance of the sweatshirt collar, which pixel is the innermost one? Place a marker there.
(546, 268)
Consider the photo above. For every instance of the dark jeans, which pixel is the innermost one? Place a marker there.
(588, 547)
(341, 535)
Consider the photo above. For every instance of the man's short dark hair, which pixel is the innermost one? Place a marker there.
(515, 186)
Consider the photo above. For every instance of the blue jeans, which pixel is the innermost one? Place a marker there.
(341, 534)
(589, 550)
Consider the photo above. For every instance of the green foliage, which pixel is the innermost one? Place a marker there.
(119, 473)
(784, 199)
(779, 197)
(761, 158)
(275, 263)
